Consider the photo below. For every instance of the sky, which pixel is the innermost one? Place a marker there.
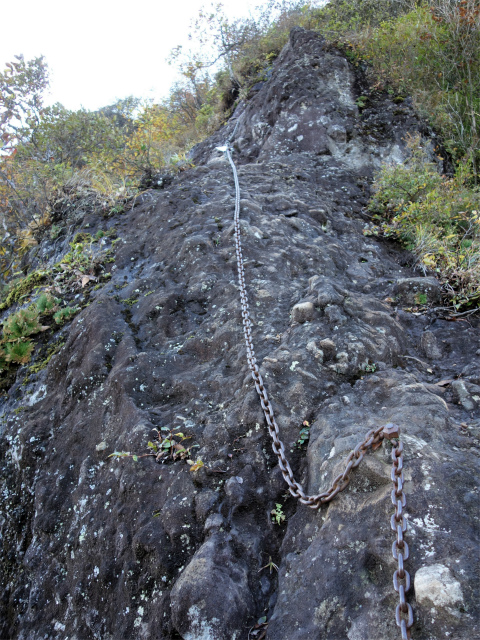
(101, 50)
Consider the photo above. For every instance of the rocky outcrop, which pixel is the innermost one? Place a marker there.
(98, 547)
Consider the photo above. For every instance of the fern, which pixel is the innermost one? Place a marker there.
(19, 352)
(64, 315)
(45, 303)
(21, 324)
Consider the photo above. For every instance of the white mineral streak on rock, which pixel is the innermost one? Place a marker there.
(200, 628)
(39, 394)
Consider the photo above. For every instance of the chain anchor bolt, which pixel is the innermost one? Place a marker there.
(391, 431)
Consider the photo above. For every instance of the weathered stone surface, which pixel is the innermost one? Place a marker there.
(213, 575)
(429, 345)
(303, 312)
(462, 395)
(435, 585)
(417, 290)
(94, 547)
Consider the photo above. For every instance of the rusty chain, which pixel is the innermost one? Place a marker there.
(373, 440)
(401, 577)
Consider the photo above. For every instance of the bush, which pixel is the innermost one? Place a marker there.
(434, 55)
(435, 217)
(429, 50)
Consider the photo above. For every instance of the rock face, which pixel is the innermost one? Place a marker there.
(94, 547)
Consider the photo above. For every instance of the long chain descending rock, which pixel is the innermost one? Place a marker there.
(373, 440)
(400, 547)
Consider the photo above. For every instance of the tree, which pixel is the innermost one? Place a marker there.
(22, 86)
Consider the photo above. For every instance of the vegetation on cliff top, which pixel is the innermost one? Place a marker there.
(53, 159)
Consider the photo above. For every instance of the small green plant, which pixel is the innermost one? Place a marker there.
(421, 298)
(198, 464)
(55, 231)
(21, 324)
(20, 288)
(277, 513)
(19, 352)
(65, 314)
(304, 435)
(270, 565)
(16, 347)
(168, 445)
(130, 301)
(371, 367)
(47, 303)
(361, 102)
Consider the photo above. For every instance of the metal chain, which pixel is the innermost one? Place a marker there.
(401, 577)
(373, 440)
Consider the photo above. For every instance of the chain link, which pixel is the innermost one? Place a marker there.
(398, 522)
(373, 440)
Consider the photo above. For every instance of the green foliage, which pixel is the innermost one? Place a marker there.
(15, 345)
(65, 314)
(168, 445)
(19, 352)
(73, 272)
(278, 515)
(398, 185)
(435, 217)
(21, 91)
(340, 20)
(22, 287)
(433, 53)
(21, 324)
(46, 303)
(304, 435)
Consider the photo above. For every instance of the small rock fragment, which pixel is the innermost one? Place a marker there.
(434, 584)
(328, 347)
(418, 290)
(462, 396)
(335, 316)
(214, 521)
(211, 599)
(327, 294)
(338, 133)
(429, 346)
(303, 312)
(341, 366)
(315, 351)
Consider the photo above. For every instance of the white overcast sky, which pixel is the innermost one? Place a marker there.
(102, 50)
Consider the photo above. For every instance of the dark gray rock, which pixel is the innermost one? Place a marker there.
(429, 345)
(94, 547)
(462, 395)
(303, 312)
(418, 290)
(213, 575)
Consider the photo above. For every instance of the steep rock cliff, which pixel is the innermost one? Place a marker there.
(94, 547)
